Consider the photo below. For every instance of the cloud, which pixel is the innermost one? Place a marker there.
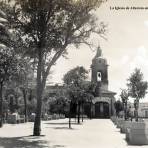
(123, 65)
(146, 23)
(125, 59)
(140, 59)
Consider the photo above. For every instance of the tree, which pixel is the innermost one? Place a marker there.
(6, 40)
(59, 105)
(8, 67)
(118, 107)
(4, 32)
(11, 93)
(8, 60)
(137, 88)
(23, 80)
(124, 96)
(74, 79)
(47, 28)
(90, 93)
(80, 91)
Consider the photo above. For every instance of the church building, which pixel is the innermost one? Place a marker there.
(103, 103)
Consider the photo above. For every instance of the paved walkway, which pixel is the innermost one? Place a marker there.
(96, 133)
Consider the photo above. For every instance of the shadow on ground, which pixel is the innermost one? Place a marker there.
(25, 142)
(63, 128)
(60, 123)
(22, 142)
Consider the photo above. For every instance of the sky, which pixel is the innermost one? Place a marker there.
(126, 47)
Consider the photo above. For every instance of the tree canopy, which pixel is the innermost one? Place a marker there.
(124, 95)
(79, 89)
(4, 32)
(137, 88)
(136, 85)
(44, 29)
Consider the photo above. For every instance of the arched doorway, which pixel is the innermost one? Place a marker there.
(101, 110)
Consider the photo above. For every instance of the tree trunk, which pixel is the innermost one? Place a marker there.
(1, 104)
(125, 111)
(82, 111)
(136, 110)
(11, 105)
(70, 115)
(78, 112)
(39, 91)
(90, 110)
(25, 104)
(136, 115)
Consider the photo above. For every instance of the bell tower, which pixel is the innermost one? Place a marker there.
(100, 70)
(103, 102)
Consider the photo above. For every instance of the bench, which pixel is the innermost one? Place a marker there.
(15, 118)
(21, 119)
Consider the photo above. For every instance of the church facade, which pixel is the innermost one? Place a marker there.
(103, 103)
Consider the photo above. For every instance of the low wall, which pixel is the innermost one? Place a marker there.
(137, 134)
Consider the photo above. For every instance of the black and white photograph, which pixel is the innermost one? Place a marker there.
(73, 73)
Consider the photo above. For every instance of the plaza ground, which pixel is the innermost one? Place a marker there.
(95, 133)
